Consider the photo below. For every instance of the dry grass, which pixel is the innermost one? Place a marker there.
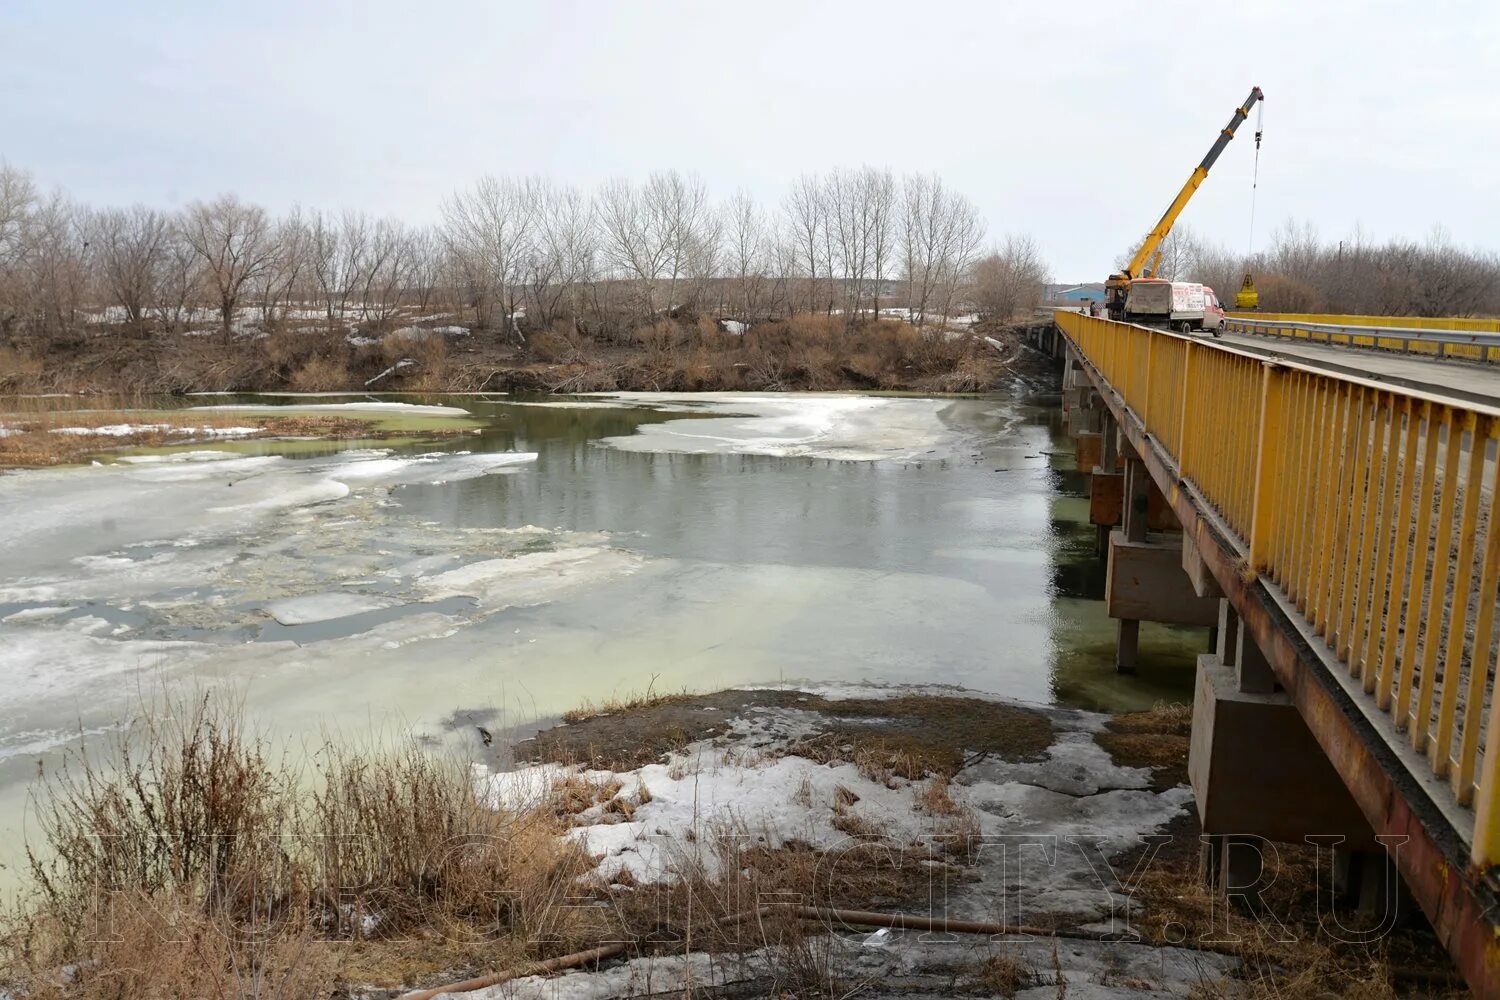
(881, 757)
(194, 825)
(319, 375)
(1157, 739)
(39, 438)
(197, 859)
(619, 705)
(1001, 975)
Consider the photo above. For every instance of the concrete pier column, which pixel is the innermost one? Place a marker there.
(1133, 529)
(1259, 775)
(1109, 458)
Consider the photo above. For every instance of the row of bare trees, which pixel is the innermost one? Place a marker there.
(1302, 272)
(508, 254)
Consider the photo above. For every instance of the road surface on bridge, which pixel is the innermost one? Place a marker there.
(1468, 380)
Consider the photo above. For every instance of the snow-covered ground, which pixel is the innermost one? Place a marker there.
(1041, 835)
(131, 430)
(747, 783)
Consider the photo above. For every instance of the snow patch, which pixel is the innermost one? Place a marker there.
(112, 430)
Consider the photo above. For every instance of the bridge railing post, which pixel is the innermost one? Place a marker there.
(1268, 450)
(1187, 430)
(1486, 849)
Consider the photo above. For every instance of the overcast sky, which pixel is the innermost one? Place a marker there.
(1074, 122)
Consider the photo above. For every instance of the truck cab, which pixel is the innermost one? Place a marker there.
(1213, 312)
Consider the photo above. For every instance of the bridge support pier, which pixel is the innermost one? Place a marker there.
(1144, 580)
(1259, 778)
(1133, 540)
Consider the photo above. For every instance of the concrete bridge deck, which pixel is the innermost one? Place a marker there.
(1339, 517)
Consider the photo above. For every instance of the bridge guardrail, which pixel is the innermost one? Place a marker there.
(1375, 512)
(1475, 340)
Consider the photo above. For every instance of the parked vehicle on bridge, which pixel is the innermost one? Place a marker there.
(1178, 305)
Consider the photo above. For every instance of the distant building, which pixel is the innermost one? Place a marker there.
(1074, 295)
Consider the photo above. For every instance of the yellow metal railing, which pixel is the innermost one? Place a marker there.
(1465, 323)
(1373, 511)
(1458, 337)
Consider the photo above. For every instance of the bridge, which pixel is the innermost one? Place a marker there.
(1321, 492)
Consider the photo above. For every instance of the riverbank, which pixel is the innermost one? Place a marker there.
(804, 353)
(686, 836)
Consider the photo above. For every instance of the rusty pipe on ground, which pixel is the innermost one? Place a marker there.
(560, 964)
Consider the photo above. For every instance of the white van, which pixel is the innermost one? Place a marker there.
(1179, 305)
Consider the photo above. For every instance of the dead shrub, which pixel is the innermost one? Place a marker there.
(320, 374)
(560, 345)
(16, 368)
(1002, 975)
(196, 825)
(621, 704)
(936, 798)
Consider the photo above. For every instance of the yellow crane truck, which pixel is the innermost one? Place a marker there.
(1117, 288)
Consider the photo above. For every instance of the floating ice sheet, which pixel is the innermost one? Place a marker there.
(324, 607)
(396, 409)
(808, 425)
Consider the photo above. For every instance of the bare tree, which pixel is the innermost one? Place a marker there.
(749, 251)
(1009, 279)
(679, 207)
(17, 204)
(489, 231)
(636, 240)
(236, 244)
(880, 194)
(806, 217)
(426, 267)
(387, 268)
(181, 278)
(131, 250)
(563, 254)
(285, 267)
(848, 227)
(55, 265)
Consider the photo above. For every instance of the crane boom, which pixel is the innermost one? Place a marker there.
(1119, 284)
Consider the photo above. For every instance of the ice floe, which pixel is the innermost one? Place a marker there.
(809, 425)
(369, 406)
(312, 608)
(532, 577)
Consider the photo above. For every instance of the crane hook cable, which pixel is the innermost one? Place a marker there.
(1260, 115)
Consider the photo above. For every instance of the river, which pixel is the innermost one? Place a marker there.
(546, 552)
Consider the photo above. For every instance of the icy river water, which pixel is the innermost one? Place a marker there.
(554, 551)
